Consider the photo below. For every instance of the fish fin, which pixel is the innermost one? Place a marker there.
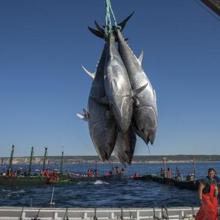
(100, 32)
(99, 28)
(140, 59)
(82, 116)
(139, 90)
(97, 33)
(92, 75)
(124, 22)
(102, 100)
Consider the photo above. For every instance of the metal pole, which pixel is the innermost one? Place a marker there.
(30, 163)
(96, 169)
(194, 168)
(45, 158)
(165, 166)
(11, 158)
(52, 203)
(61, 163)
(2, 161)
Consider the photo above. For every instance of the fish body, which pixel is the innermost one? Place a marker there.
(125, 142)
(125, 146)
(117, 86)
(145, 108)
(102, 126)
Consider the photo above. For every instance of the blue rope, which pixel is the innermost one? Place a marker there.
(108, 14)
(108, 23)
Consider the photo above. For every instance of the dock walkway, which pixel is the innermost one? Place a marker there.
(19, 213)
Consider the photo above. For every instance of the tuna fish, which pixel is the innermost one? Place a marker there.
(145, 108)
(117, 86)
(102, 126)
(125, 142)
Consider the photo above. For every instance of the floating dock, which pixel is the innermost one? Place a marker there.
(19, 213)
(181, 184)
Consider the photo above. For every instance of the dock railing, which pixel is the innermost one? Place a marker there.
(174, 213)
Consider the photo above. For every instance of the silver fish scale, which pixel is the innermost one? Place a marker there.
(145, 109)
(139, 77)
(102, 127)
(117, 86)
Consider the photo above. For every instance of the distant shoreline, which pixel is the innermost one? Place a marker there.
(153, 159)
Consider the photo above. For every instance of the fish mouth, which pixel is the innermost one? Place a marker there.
(148, 136)
(146, 123)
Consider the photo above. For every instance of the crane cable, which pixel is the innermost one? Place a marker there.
(108, 15)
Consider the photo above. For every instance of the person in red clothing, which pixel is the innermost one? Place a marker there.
(208, 192)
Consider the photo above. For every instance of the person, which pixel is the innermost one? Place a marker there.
(178, 175)
(208, 192)
(169, 173)
(122, 171)
(162, 172)
(135, 175)
(108, 173)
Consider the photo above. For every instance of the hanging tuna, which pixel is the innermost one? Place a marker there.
(122, 101)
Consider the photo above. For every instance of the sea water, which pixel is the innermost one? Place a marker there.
(98, 193)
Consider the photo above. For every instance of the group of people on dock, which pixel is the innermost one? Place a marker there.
(115, 171)
(168, 173)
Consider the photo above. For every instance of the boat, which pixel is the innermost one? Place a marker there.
(22, 180)
(182, 184)
(62, 180)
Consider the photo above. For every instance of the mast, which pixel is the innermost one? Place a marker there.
(30, 163)
(194, 167)
(61, 163)
(2, 161)
(165, 166)
(11, 158)
(45, 158)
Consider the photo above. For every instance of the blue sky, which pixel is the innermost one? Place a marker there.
(42, 86)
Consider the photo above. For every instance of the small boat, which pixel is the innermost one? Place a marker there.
(22, 180)
(182, 184)
(57, 180)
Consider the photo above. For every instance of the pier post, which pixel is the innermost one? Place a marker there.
(165, 166)
(30, 163)
(11, 158)
(138, 215)
(61, 163)
(45, 158)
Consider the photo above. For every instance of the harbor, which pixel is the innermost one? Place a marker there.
(109, 110)
(148, 189)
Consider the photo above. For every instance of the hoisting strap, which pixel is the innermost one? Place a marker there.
(108, 14)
